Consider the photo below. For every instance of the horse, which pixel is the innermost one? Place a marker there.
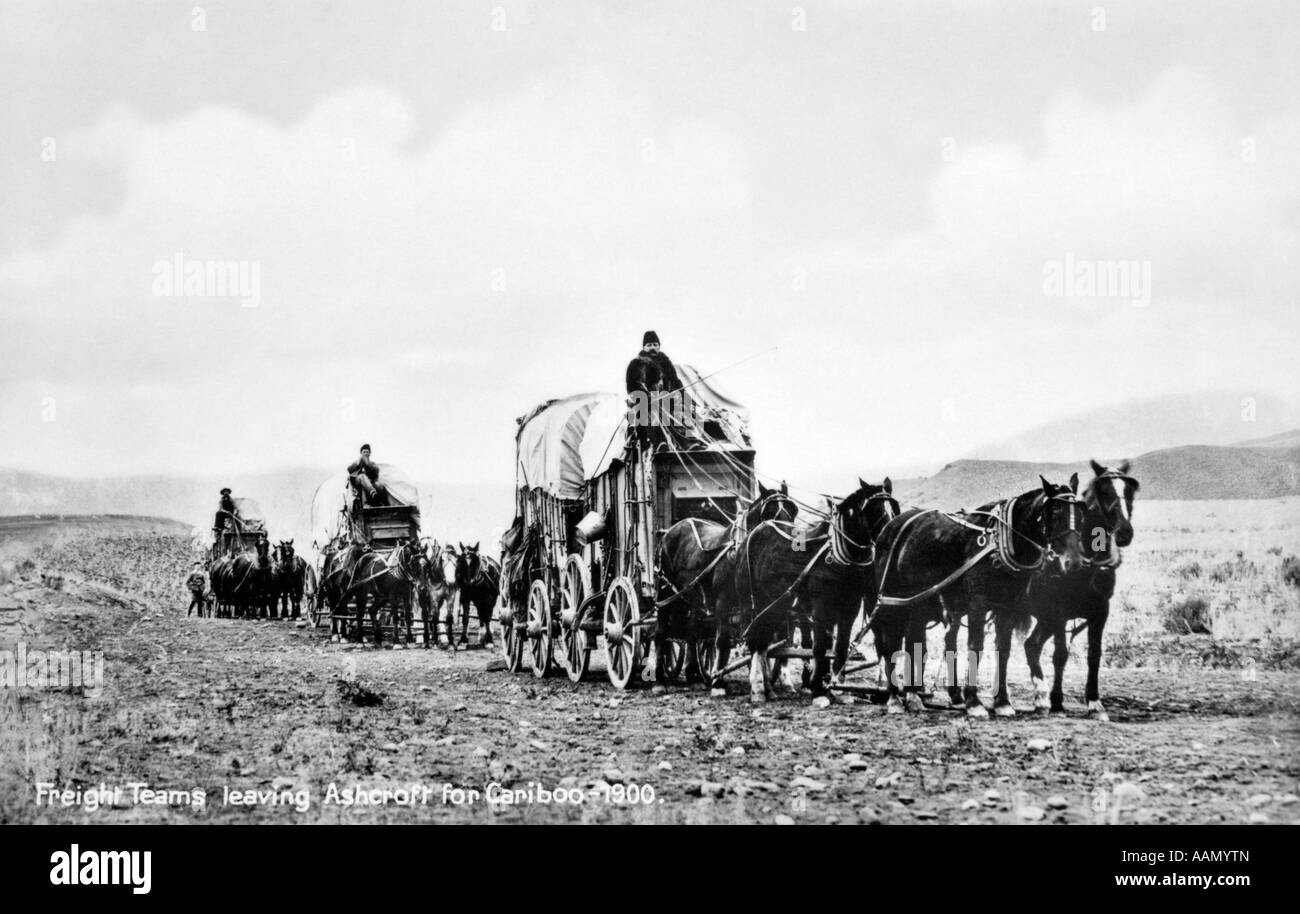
(291, 573)
(478, 581)
(824, 570)
(216, 574)
(376, 581)
(686, 555)
(437, 593)
(337, 560)
(940, 565)
(246, 581)
(1085, 594)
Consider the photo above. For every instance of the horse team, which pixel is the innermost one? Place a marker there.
(1039, 560)
(1043, 558)
(264, 583)
(415, 574)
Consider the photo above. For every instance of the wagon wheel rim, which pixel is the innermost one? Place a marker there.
(539, 628)
(622, 633)
(512, 645)
(674, 659)
(577, 654)
(706, 652)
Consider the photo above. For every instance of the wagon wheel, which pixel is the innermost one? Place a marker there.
(708, 660)
(577, 649)
(512, 640)
(622, 633)
(673, 660)
(539, 628)
(316, 611)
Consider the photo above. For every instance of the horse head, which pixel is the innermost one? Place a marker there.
(859, 518)
(1058, 517)
(771, 504)
(468, 564)
(1109, 499)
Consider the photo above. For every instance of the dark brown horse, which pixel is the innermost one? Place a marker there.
(378, 580)
(782, 574)
(436, 593)
(1085, 593)
(938, 567)
(478, 580)
(291, 573)
(688, 551)
(245, 583)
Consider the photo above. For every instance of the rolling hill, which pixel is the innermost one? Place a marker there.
(1194, 472)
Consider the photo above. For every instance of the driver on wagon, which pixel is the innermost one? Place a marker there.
(363, 473)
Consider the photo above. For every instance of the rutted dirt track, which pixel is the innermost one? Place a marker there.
(210, 704)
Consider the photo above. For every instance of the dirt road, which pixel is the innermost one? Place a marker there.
(239, 721)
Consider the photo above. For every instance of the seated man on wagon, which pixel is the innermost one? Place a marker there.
(227, 514)
(655, 393)
(363, 474)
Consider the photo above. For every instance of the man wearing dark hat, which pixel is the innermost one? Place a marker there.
(651, 370)
(651, 383)
(364, 476)
(227, 512)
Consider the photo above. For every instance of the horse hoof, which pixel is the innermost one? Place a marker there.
(893, 706)
(717, 692)
(979, 712)
(914, 704)
(1097, 712)
(1004, 711)
(1042, 703)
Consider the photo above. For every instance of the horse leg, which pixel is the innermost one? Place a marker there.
(950, 634)
(359, 634)
(760, 690)
(1002, 628)
(974, 649)
(819, 681)
(464, 620)
(446, 623)
(484, 623)
(914, 644)
(884, 632)
(843, 635)
(1060, 654)
(376, 605)
(1034, 642)
(1096, 626)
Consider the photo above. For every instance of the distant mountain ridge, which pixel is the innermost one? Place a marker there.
(1260, 468)
(285, 497)
(1220, 418)
(1190, 473)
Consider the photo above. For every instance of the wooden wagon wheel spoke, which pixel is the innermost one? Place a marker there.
(539, 628)
(577, 585)
(622, 632)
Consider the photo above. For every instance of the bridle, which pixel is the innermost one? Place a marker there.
(841, 542)
(1113, 557)
(1002, 517)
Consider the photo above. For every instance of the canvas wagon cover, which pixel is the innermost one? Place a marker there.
(563, 443)
(250, 514)
(334, 495)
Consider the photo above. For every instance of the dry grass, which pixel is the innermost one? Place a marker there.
(1226, 565)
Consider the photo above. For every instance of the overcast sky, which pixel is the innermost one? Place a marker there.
(456, 210)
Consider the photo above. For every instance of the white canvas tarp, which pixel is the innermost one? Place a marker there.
(563, 443)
